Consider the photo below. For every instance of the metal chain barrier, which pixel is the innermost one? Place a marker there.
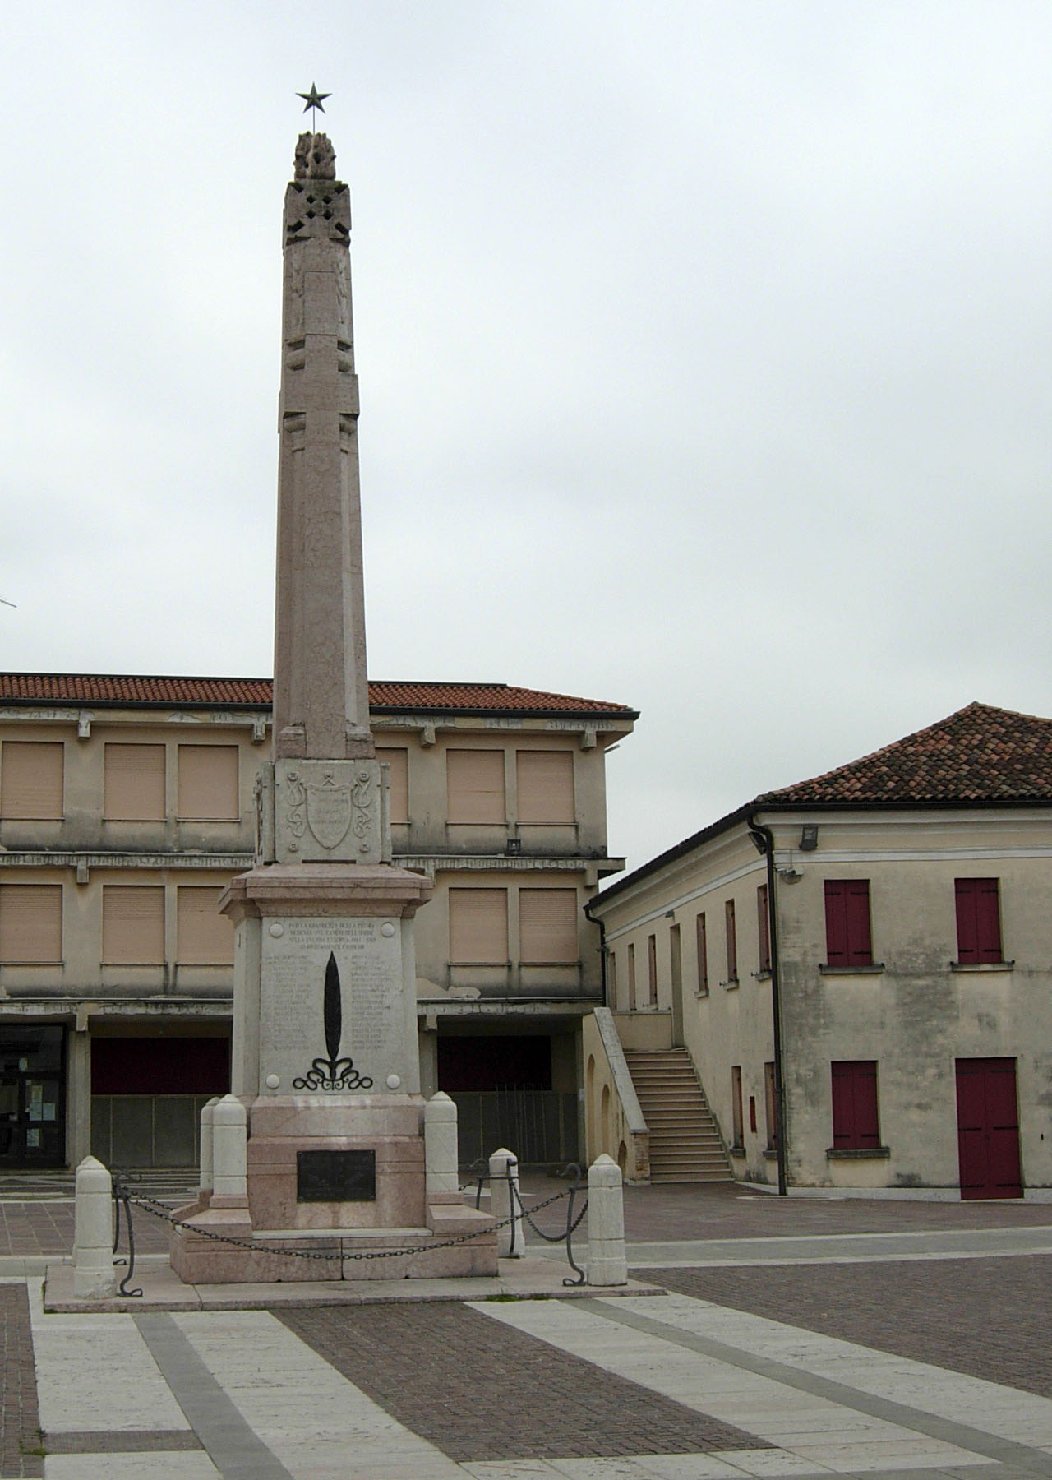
(572, 1223)
(122, 1196)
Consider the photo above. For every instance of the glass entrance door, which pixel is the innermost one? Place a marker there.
(32, 1097)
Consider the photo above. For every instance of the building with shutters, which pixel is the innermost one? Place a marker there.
(126, 803)
(860, 966)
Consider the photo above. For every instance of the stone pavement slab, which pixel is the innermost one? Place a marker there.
(989, 1318)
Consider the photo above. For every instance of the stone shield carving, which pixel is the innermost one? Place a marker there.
(329, 810)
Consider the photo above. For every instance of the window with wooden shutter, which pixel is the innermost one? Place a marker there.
(544, 783)
(31, 780)
(397, 760)
(978, 921)
(847, 923)
(770, 1105)
(732, 941)
(855, 1124)
(652, 981)
(31, 924)
(208, 776)
(611, 980)
(763, 924)
(703, 955)
(475, 786)
(134, 783)
(204, 936)
(133, 925)
(632, 1004)
(548, 927)
(737, 1115)
(478, 927)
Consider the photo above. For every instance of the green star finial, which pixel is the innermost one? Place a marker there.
(313, 100)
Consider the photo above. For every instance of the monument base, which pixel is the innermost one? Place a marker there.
(350, 1187)
(199, 1258)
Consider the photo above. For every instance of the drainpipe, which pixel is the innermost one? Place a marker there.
(763, 841)
(602, 949)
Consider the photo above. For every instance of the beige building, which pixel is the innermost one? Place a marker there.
(126, 803)
(860, 968)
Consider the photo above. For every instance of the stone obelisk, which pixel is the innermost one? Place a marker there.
(326, 1093)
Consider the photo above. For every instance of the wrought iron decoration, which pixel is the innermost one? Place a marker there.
(334, 1072)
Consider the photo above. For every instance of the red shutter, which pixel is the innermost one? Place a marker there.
(978, 921)
(855, 1123)
(763, 920)
(847, 923)
(836, 923)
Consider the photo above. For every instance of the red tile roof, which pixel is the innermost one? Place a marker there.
(978, 754)
(416, 698)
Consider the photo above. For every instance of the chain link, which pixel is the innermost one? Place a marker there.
(159, 1210)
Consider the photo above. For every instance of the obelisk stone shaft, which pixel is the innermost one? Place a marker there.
(321, 700)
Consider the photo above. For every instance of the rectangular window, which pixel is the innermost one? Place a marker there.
(478, 927)
(611, 980)
(632, 1004)
(475, 786)
(732, 942)
(31, 780)
(847, 922)
(675, 947)
(133, 925)
(763, 922)
(978, 921)
(548, 927)
(736, 1105)
(31, 924)
(397, 759)
(208, 783)
(770, 1106)
(652, 985)
(205, 937)
(544, 783)
(134, 783)
(855, 1124)
(703, 956)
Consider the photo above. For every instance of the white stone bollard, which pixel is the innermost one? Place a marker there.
(440, 1147)
(207, 1130)
(229, 1148)
(511, 1239)
(606, 1224)
(94, 1277)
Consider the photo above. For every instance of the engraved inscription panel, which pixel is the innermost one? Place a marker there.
(367, 954)
(335, 1176)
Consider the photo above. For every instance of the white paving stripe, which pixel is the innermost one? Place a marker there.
(156, 1466)
(814, 1431)
(96, 1373)
(1005, 1412)
(319, 1425)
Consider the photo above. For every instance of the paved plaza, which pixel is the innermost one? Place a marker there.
(796, 1336)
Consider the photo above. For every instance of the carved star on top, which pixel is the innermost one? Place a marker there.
(313, 100)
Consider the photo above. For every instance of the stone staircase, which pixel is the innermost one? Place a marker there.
(685, 1144)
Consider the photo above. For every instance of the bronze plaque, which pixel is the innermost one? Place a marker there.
(335, 1176)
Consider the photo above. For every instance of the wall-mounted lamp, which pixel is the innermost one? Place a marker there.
(809, 838)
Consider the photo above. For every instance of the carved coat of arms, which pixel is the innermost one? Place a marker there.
(328, 809)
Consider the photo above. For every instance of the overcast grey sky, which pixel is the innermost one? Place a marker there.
(705, 354)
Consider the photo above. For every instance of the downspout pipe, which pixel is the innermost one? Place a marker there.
(602, 950)
(763, 841)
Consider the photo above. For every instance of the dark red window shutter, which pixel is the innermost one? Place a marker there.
(855, 1122)
(763, 921)
(836, 923)
(978, 921)
(847, 923)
